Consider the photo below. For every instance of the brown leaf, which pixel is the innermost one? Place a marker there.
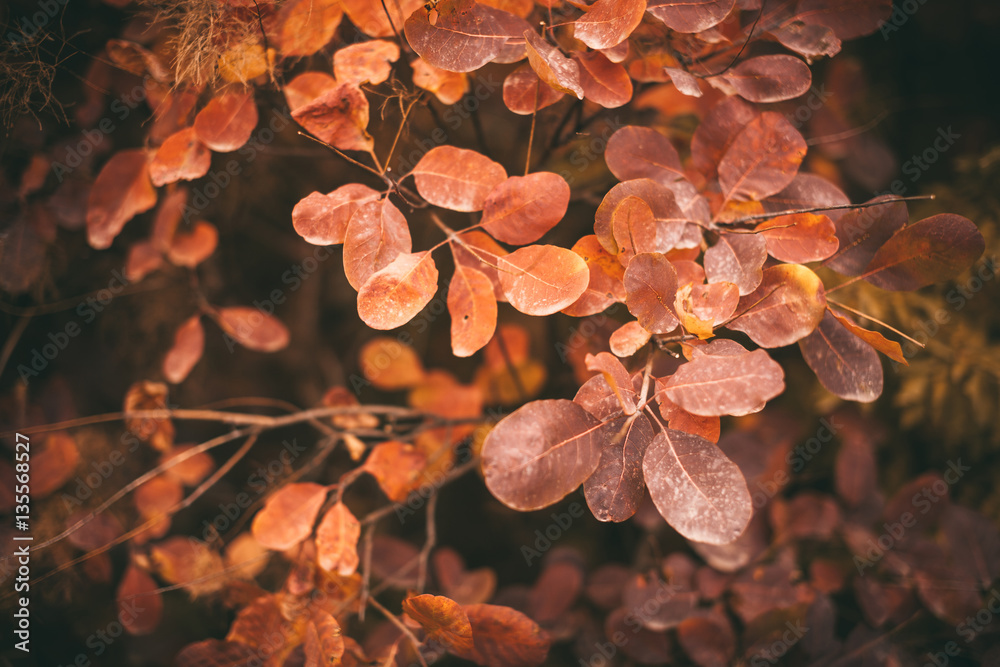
(337, 541)
(690, 15)
(737, 259)
(846, 365)
(390, 365)
(365, 62)
(253, 329)
(443, 620)
(192, 248)
(322, 219)
(889, 348)
(524, 93)
(651, 285)
(215, 653)
(767, 79)
(617, 378)
(716, 132)
(227, 121)
(140, 606)
(861, 232)
(848, 19)
(615, 489)
(121, 191)
(699, 491)
(762, 159)
(542, 279)
(457, 178)
(181, 157)
(339, 116)
(22, 256)
(541, 452)
(504, 637)
(54, 464)
(288, 515)
(465, 35)
(149, 396)
(787, 305)
(190, 563)
(189, 343)
(552, 66)
(473, 311)
(324, 645)
(523, 208)
(192, 470)
(305, 26)
(799, 238)
(608, 23)
(604, 82)
(642, 152)
(376, 234)
(714, 385)
(392, 296)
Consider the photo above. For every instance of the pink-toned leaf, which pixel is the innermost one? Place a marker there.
(456, 178)
(253, 329)
(714, 385)
(767, 79)
(552, 66)
(799, 238)
(849, 19)
(305, 26)
(651, 285)
(365, 62)
(628, 339)
(392, 296)
(861, 232)
(180, 157)
(717, 131)
(608, 23)
(690, 15)
(521, 209)
(322, 219)
(464, 36)
(809, 40)
(671, 220)
(634, 229)
(121, 191)
(541, 452)
(473, 310)
(189, 343)
(787, 305)
(606, 273)
(615, 489)
(542, 279)
(762, 159)
(846, 365)
(288, 515)
(737, 259)
(524, 93)
(699, 491)
(642, 152)
(934, 249)
(227, 121)
(337, 541)
(140, 605)
(604, 82)
(617, 378)
(339, 116)
(376, 234)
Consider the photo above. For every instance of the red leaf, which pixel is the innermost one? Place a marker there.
(690, 15)
(700, 308)
(634, 229)
(699, 491)
(365, 62)
(606, 273)
(189, 343)
(139, 603)
(552, 66)
(936, 248)
(714, 385)
(651, 285)
(394, 295)
(607, 23)
(849, 19)
(642, 152)
(457, 178)
(737, 259)
(505, 637)
(716, 133)
(376, 234)
(121, 191)
(180, 157)
(767, 79)
(541, 452)
(253, 329)
(305, 26)
(288, 515)
(337, 541)
(443, 620)
(604, 82)
(615, 489)
(787, 305)
(617, 378)
(339, 117)
(861, 232)
(846, 365)
(322, 219)
(521, 209)
(473, 310)
(396, 466)
(671, 220)
(465, 35)
(227, 121)
(542, 279)
(524, 93)
(799, 238)
(763, 158)
(54, 464)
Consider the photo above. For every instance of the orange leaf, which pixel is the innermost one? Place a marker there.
(322, 219)
(288, 516)
(542, 279)
(305, 26)
(324, 646)
(180, 157)
(473, 310)
(394, 295)
(457, 178)
(54, 464)
(444, 621)
(339, 117)
(227, 121)
(192, 248)
(521, 209)
(189, 343)
(337, 540)
(139, 604)
(448, 87)
(376, 234)
(396, 466)
(390, 365)
(505, 637)
(121, 190)
(253, 329)
(365, 62)
(607, 23)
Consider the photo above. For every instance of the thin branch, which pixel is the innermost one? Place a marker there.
(742, 48)
(814, 209)
(336, 150)
(399, 132)
(847, 134)
(402, 627)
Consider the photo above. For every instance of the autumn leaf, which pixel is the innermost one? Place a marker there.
(762, 159)
(396, 466)
(473, 310)
(505, 637)
(787, 305)
(324, 645)
(521, 209)
(651, 285)
(542, 279)
(121, 191)
(607, 23)
(615, 488)
(365, 62)
(140, 605)
(767, 79)
(181, 157)
(524, 93)
(464, 36)
(189, 343)
(690, 15)
(227, 121)
(253, 329)
(605, 82)
(443, 620)
(844, 363)
(642, 152)
(376, 234)
(338, 116)
(337, 540)
(733, 384)
(552, 66)
(322, 219)
(389, 364)
(456, 178)
(288, 515)
(305, 26)
(392, 296)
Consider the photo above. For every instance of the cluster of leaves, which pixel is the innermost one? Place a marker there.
(706, 248)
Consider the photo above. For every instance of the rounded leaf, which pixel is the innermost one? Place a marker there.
(227, 121)
(542, 279)
(288, 515)
(521, 209)
(456, 178)
(394, 295)
(253, 329)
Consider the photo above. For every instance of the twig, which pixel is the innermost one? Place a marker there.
(405, 630)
